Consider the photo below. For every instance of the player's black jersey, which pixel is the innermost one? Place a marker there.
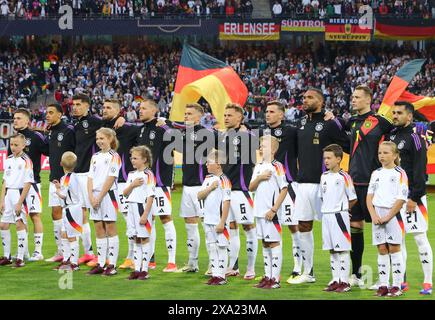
(288, 147)
(36, 145)
(367, 131)
(240, 148)
(61, 138)
(413, 159)
(152, 136)
(85, 129)
(314, 134)
(127, 137)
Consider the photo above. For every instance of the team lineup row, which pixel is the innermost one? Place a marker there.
(293, 168)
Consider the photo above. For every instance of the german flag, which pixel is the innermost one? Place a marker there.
(425, 106)
(404, 29)
(398, 85)
(202, 76)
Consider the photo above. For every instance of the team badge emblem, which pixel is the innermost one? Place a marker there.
(193, 136)
(401, 145)
(319, 127)
(152, 135)
(236, 141)
(304, 121)
(367, 124)
(28, 142)
(85, 124)
(278, 132)
(60, 137)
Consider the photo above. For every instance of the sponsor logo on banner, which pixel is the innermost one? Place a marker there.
(295, 25)
(249, 31)
(340, 29)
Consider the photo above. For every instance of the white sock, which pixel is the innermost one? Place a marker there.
(171, 240)
(207, 245)
(344, 266)
(335, 266)
(251, 248)
(86, 238)
(57, 228)
(223, 261)
(146, 255)
(75, 252)
(66, 250)
(102, 251)
(131, 242)
(267, 258)
(137, 256)
(404, 254)
(397, 268)
(426, 256)
(214, 259)
(153, 239)
(6, 241)
(113, 250)
(234, 248)
(384, 270)
(192, 243)
(307, 249)
(38, 242)
(22, 239)
(296, 249)
(276, 253)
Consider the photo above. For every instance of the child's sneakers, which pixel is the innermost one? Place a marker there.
(5, 261)
(171, 267)
(395, 292)
(404, 286)
(134, 275)
(143, 275)
(427, 289)
(110, 270)
(344, 287)
(332, 286)
(127, 264)
(18, 263)
(382, 291)
(96, 270)
(249, 275)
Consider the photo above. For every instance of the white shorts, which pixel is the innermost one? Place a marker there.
(123, 205)
(287, 211)
(391, 232)
(135, 212)
(416, 221)
(109, 207)
(83, 186)
(336, 231)
(72, 221)
(33, 199)
(241, 207)
(162, 202)
(268, 231)
(308, 203)
(211, 236)
(190, 205)
(9, 216)
(53, 199)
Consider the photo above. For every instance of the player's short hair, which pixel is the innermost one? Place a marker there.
(366, 90)
(116, 102)
(335, 149)
(24, 112)
(68, 160)
(395, 150)
(236, 107)
(276, 103)
(57, 106)
(145, 153)
(18, 136)
(273, 141)
(83, 97)
(195, 106)
(317, 91)
(218, 156)
(151, 102)
(408, 106)
(110, 133)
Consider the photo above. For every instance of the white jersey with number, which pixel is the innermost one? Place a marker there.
(388, 186)
(70, 188)
(215, 199)
(336, 190)
(147, 189)
(268, 190)
(18, 171)
(103, 165)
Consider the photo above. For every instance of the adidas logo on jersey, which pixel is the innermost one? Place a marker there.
(169, 247)
(337, 246)
(161, 210)
(244, 218)
(414, 227)
(266, 237)
(32, 209)
(221, 267)
(390, 238)
(106, 216)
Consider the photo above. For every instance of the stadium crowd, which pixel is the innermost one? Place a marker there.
(269, 73)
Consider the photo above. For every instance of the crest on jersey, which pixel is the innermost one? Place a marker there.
(60, 137)
(278, 132)
(393, 179)
(304, 121)
(85, 124)
(367, 124)
(236, 141)
(113, 170)
(392, 137)
(319, 126)
(401, 145)
(337, 182)
(28, 142)
(266, 131)
(152, 135)
(193, 136)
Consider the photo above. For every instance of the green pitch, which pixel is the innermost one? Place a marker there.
(37, 280)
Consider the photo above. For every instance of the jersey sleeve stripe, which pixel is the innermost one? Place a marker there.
(416, 141)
